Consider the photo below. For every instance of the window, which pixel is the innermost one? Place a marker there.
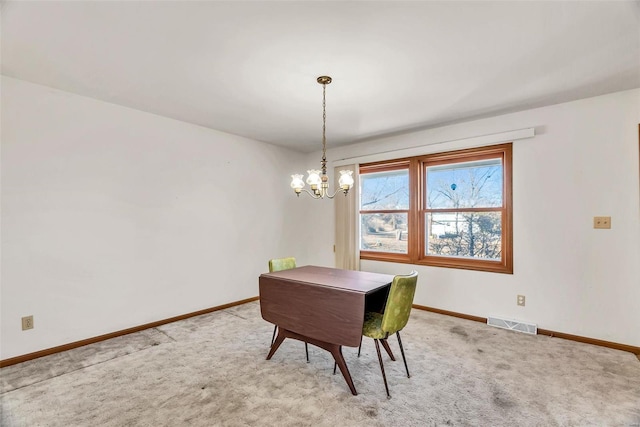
(384, 208)
(447, 209)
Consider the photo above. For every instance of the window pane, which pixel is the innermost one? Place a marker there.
(465, 185)
(384, 190)
(467, 235)
(384, 232)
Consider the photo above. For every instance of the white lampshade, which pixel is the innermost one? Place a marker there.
(296, 182)
(346, 179)
(314, 178)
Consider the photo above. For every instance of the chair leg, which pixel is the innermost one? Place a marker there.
(402, 351)
(306, 350)
(384, 377)
(273, 338)
(360, 346)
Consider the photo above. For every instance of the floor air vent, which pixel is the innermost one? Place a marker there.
(514, 325)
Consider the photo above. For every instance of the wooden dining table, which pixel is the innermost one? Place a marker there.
(322, 306)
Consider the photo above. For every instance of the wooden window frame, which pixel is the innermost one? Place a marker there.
(417, 209)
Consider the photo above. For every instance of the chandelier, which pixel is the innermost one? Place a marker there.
(318, 179)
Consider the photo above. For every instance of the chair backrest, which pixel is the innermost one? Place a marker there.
(399, 301)
(278, 264)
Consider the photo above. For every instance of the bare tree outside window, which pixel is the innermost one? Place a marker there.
(453, 231)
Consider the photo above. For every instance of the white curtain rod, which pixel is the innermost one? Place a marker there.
(493, 138)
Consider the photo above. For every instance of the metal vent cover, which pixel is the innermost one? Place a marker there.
(514, 325)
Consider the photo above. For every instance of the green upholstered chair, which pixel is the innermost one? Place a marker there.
(393, 319)
(279, 264)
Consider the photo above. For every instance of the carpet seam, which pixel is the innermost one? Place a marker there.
(165, 334)
(68, 372)
(85, 367)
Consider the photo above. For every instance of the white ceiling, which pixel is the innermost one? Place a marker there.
(250, 68)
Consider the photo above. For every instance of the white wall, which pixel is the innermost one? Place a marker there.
(112, 218)
(583, 162)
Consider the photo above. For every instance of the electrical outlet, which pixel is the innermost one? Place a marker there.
(27, 323)
(601, 222)
(521, 300)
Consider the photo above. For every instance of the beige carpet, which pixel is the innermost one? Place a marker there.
(211, 370)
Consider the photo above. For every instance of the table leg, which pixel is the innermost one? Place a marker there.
(385, 344)
(337, 356)
(334, 349)
(276, 344)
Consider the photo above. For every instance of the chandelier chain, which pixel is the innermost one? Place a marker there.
(324, 128)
